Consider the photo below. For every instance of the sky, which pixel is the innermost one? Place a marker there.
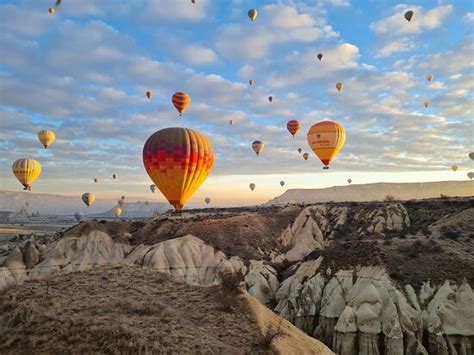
(84, 71)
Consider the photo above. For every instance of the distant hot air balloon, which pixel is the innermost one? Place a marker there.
(299, 150)
(231, 122)
(257, 147)
(149, 94)
(114, 176)
(320, 56)
(408, 15)
(429, 77)
(178, 160)
(58, 2)
(51, 11)
(79, 216)
(252, 13)
(96, 180)
(326, 139)
(120, 203)
(282, 183)
(207, 200)
(181, 101)
(470, 175)
(426, 103)
(339, 86)
(251, 82)
(46, 137)
(293, 126)
(122, 197)
(27, 204)
(88, 198)
(26, 171)
(270, 98)
(454, 168)
(252, 186)
(471, 155)
(305, 156)
(153, 188)
(349, 181)
(117, 212)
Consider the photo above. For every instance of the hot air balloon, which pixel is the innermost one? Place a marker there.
(471, 155)
(46, 137)
(429, 77)
(51, 11)
(282, 183)
(326, 139)
(27, 204)
(252, 186)
(122, 197)
(181, 101)
(305, 156)
(257, 147)
(293, 127)
(231, 122)
(207, 200)
(270, 98)
(252, 13)
(117, 212)
(79, 216)
(426, 103)
(470, 175)
(88, 198)
(149, 94)
(339, 86)
(454, 168)
(349, 181)
(153, 188)
(26, 171)
(58, 2)
(251, 82)
(96, 180)
(114, 176)
(299, 150)
(320, 56)
(408, 15)
(120, 203)
(178, 160)
(193, 1)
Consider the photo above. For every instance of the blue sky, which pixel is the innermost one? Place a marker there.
(84, 72)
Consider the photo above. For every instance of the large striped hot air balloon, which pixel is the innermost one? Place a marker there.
(257, 146)
(26, 170)
(326, 139)
(293, 127)
(178, 160)
(181, 101)
(46, 137)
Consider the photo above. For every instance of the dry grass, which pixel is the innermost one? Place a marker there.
(131, 311)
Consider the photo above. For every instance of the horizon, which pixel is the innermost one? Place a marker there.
(97, 107)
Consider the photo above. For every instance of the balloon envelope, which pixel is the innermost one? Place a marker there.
(299, 150)
(429, 77)
(46, 137)
(305, 156)
(471, 155)
(153, 188)
(178, 160)
(454, 168)
(122, 197)
(409, 15)
(293, 126)
(117, 212)
(120, 203)
(252, 13)
(470, 175)
(282, 183)
(349, 181)
(181, 101)
(326, 139)
(207, 200)
(149, 94)
(339, 86)
(251, 82)
(252, 186)
(26, 171)
(320, 56)
(79, 216)
(257, 147)
(88, 198)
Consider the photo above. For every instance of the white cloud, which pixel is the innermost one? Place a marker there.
(422, 20)
(176, 10)
(397, 46)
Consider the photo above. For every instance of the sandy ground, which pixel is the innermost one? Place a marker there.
(135, 310)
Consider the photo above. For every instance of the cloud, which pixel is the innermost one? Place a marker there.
(176, 10)
(396, 25)
(398, 46)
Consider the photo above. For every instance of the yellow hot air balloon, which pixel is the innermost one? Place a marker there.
(117, 212)
(257, 147)
(252, 13)
(326, 139)
(454, 168)
(252, 186)
(178, 160)
(46, 137)
(26, 170)
(426, 103)
(339, 86)
(429, 77)
(88, 198)
(51, 11)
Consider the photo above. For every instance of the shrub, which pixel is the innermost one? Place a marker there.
(450, 232)
(443, 196)
(271, 333)
(230, 289)
(389, 198)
